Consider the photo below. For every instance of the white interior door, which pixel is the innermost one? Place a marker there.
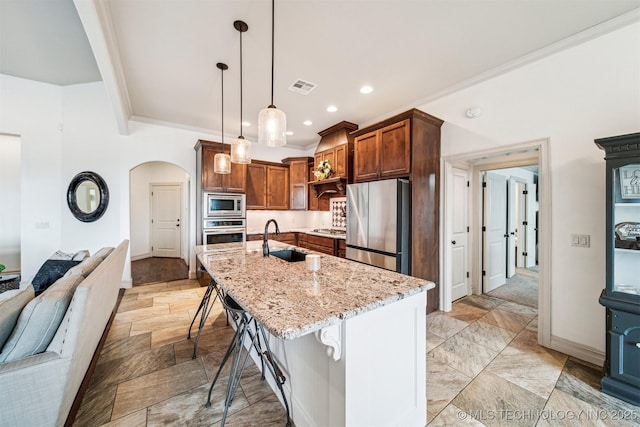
(495, 236)
(512, 225)
(166, 207)
(459, 235)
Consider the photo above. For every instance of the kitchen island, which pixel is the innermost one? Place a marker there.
(350, 338)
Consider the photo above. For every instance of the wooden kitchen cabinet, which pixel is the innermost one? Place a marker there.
(235, 182)
(315, 203)
(408, 145)
(383, 153)
(342, 248)
(298, 180)
(267, 186)
(290, 237)
(325, 245)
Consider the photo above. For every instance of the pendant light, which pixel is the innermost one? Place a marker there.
(241, 148)
(221, 161)
(272, 123)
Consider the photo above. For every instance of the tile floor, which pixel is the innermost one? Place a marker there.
(484, 367)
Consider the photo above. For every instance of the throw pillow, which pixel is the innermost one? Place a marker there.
(81, 255)
(85, 267)
(51, 270)
(39, 320)
(11, 304)
(104, 252)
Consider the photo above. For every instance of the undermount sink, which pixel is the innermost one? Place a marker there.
(289, 255)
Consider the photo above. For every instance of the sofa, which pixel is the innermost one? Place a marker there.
(39, 389)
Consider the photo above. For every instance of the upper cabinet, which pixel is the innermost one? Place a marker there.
(235, 182)
(267, 185)
(336, 146)
(298, 180)
(383, 153)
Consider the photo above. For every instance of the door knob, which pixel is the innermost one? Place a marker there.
(177, 225)
(453, 242)
(506, 235)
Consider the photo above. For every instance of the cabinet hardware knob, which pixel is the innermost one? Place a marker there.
(638, 344)
(453, 242)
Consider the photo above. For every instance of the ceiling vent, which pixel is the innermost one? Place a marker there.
(302, 86)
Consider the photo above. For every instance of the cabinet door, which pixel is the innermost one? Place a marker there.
(366, 160)
(210, 181)
(277, 187)
(341, 161)
(317, 158)
(236, 181)
(256, 186)
(298, 184)
(331, 157)
(395, 149)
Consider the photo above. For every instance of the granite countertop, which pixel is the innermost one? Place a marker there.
(290, 301)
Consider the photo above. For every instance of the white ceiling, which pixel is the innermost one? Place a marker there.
(158, 58)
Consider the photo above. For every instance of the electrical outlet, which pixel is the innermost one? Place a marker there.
(581, 240)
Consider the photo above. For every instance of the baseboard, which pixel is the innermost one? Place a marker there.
(579, 351)
(126, 283)
(71, 417)
(193, 275)
(141, 256)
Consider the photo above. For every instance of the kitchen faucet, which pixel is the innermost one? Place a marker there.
(265, 245)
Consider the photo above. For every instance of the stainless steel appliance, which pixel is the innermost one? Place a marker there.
(378, 223)
(224, 230)
(217, 205)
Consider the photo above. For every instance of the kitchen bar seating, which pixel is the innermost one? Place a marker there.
(243, 321)
(204, 309)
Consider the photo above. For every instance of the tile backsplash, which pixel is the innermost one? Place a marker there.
(338, 212)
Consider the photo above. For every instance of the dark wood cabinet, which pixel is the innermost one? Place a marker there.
(287, 237)
(267, 185)
(408, 145)
(621, 295)
(234, 182)
(298, 180)
(325, 245)
(383, 153)
(342, 248)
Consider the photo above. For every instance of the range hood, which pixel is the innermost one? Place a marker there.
(337, 135)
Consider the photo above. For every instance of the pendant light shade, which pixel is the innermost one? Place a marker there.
(222, 161)
(240, 147)
(272, 123)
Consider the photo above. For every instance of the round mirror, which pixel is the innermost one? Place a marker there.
(87, 196)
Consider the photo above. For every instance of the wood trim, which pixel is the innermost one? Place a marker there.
(410, 114)
(92, 366)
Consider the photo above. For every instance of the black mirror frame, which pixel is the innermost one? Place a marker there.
(73, 202)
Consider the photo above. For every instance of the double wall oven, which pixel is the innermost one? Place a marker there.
(224, 218)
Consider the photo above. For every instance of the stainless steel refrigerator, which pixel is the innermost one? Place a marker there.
(378, 223)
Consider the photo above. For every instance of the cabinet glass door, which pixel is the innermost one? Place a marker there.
(626, 215)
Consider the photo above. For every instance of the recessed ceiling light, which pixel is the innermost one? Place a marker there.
(246, 124)
(307, 123)
(332, 108)
(289, 133)
(366, 89)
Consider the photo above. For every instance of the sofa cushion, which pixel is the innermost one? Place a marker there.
(11, 304)
(51, 270)
(103, 253)
(85, 267)
(39, 320)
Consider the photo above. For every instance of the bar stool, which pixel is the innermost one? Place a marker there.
(204, 309)
(243, 322)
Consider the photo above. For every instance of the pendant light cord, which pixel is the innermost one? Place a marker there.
(273, 7)
(241, 84)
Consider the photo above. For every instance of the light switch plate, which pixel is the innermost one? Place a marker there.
(581, 240)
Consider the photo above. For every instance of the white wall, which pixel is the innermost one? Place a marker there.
(573, 97)
(34, 112)
(141, 179)
(10, 196)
